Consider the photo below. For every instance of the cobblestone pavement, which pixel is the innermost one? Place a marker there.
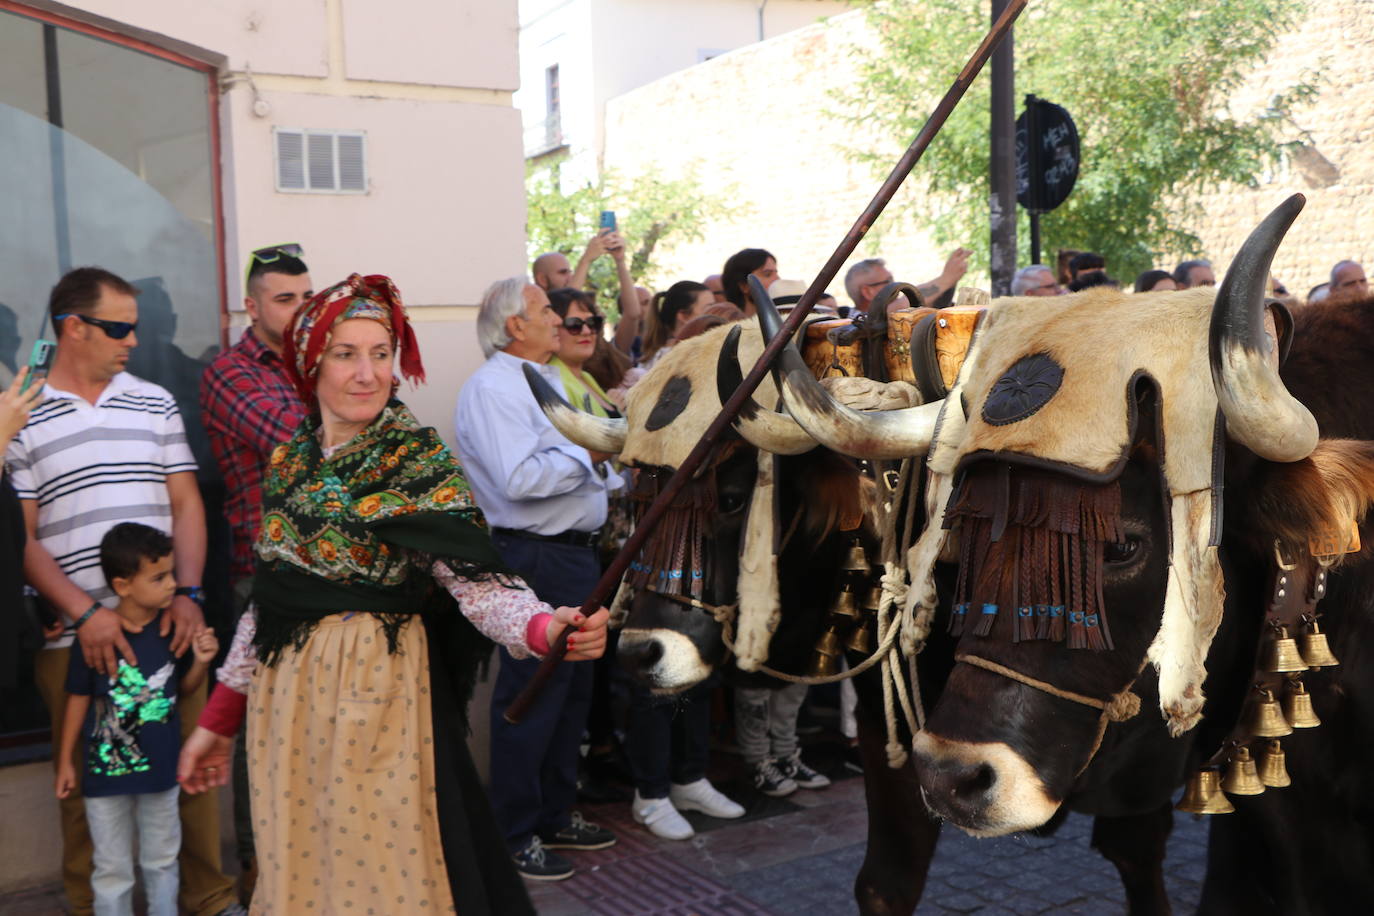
(799, 856)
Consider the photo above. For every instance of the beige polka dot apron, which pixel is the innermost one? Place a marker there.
(341, 764)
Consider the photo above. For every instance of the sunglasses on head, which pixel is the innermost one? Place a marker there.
(271, 255)
(575, 325)
(115, 330)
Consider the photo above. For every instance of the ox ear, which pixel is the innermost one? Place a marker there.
(1327, 492)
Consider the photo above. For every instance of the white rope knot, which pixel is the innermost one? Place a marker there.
(1122, 706)
(894, 585)
(896, 754)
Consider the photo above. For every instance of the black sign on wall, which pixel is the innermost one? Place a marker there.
(1047, 157)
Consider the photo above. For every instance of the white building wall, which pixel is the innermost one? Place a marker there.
(605, 48)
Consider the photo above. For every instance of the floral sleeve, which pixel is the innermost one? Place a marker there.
(509, 616)
(237, 671)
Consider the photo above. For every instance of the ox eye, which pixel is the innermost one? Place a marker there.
(1124, 552)
(731, 502)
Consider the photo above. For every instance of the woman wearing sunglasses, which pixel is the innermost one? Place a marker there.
(577, 340)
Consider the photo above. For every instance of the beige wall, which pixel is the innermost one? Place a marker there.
(796, 193)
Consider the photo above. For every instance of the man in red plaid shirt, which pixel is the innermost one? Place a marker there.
(249, 408)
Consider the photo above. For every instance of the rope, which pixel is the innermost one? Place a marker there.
(1117, 708)
(727, 637)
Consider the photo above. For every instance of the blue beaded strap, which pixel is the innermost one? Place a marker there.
(87, 616)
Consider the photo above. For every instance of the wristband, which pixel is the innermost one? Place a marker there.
(194, 592)
(87, 616)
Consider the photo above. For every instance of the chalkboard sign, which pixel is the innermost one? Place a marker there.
(1046, 155)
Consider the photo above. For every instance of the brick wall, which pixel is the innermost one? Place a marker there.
(759, 123)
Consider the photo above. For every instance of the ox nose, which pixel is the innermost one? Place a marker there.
(640, 657)
(958, 791)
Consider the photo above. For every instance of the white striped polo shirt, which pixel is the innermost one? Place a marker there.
(90, 467)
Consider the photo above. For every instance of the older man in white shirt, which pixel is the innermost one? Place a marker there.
(545, 499)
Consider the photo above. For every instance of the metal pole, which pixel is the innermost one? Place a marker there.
(57, 151)
(611, 577)
(1033, 170)
(1002, 164)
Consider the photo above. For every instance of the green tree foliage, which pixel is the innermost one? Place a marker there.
(1148, 83)
(652, 214)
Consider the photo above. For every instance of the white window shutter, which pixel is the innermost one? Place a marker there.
(319, 149)
(290, 160)
(352, 164)
(321, 161)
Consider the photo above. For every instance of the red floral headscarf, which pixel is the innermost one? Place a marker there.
(308, 333)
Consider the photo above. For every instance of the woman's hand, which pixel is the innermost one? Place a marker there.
(15, 407)
(586, 643)
(204, 761)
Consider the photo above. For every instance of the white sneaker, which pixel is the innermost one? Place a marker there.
(704, 797)
(662, 819)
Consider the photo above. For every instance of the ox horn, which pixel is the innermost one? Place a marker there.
(886, 435)
(597, 434)
(1260, 413)
(762, 428)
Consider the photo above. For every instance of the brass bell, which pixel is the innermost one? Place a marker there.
(858, 560)
(1315, 650)
(1297, 706)
(861, 638)
(873, 601)
(1273, 767)
(1266, 718)
(1203, 795)
(823, 659)
(1241, 776)
(1281, 655)
(846, 604)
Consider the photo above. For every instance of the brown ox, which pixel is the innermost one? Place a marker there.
(1081, 462)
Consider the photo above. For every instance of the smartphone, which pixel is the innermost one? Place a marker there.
(607, 221)
(40, 361)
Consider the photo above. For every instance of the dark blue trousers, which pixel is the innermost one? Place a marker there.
(667, 739)
(534, 764)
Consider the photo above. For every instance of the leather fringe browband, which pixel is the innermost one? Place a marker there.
(1031, 544)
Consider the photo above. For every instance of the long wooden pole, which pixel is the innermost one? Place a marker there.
(611, 577)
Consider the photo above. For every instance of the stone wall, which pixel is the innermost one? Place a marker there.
(796, 193)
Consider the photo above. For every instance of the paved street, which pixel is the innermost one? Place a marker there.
(798, 857)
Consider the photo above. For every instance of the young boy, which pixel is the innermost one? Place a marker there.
(132, 732)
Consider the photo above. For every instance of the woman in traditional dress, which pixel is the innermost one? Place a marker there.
(355, 669)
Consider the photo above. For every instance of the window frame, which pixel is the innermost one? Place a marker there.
(306, 133)
(24, 746)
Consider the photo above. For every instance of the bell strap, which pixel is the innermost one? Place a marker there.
(1118, 708)
(1294, 588)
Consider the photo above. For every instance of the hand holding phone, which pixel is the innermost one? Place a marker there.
(40, 361)
(607, 221)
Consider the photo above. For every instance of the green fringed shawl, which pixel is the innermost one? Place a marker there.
(358, 531)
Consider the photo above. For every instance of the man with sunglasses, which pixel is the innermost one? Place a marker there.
(249, 408)
(105, 446)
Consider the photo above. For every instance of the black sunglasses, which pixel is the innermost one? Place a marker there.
(115, 330)
(575, 325)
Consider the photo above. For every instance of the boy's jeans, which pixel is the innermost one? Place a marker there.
(114, 820)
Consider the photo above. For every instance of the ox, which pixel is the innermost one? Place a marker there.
(1080, 462)
(673, 644)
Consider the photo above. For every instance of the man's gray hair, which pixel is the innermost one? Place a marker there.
(1340, 266)
(502, 299)
(1182, 271)
(854, 278)
(1023, 280)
